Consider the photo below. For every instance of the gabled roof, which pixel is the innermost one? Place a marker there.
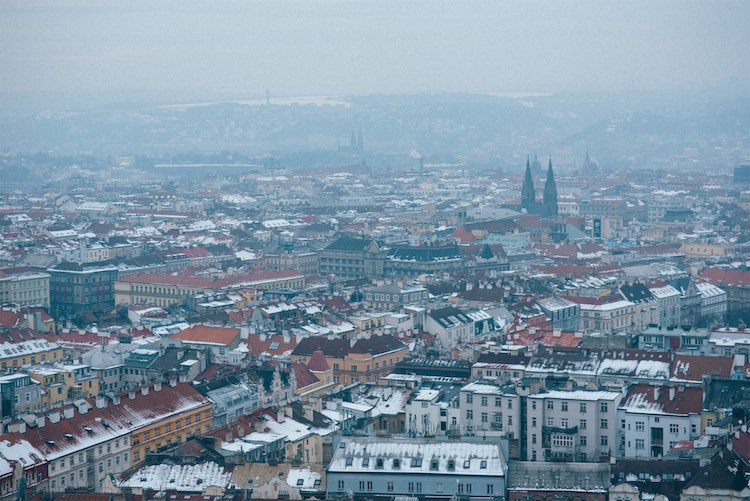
(693, 368)
(377, 345)
(726, 471)
(636, 293)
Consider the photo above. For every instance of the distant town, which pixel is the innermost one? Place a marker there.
(232, 328)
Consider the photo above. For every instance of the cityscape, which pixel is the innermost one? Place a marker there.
(402, 294)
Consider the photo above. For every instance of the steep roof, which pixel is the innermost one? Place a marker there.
(318, 362)
(377, 345)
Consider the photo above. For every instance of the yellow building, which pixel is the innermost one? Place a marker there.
(61, 383)
(175, 413)
(33, 351)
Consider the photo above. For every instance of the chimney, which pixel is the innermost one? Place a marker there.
(157, 386)
(183, 378)
(671, 393)
(144, 390)
(22, 426)
(69, 412)
(131, 393)
(656, 393)
(54, 417)
(41, 421)
(172, 380)
(101, 402)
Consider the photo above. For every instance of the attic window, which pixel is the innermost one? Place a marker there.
(434, 465)
(274, 346)
(379, 463)
(467, 464)
(483, 464)
(300, 481)
(396, 464)
(451, 465)
(349, 461)
(366, 462)
(69, 436)
(416, 462)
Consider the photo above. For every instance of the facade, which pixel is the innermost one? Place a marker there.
(653, 419)
(394, 297)
(350, 258)
(450, 326)
(564, 314)
(168, 290)
(28, 352)
(713, 303)
(25, 287)
(538, 481)
(571, 425)
(606, 315)
(490, 410)
(19, 393)
(64, 382)
(77, 288)
(436, 469)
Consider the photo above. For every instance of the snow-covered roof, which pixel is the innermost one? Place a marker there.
(185, 478)
(418, 456)
(582, 395)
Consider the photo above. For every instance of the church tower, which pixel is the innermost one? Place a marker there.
(528, 193)
(550, 192)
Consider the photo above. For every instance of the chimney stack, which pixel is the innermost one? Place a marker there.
(101, 402)
(131, 393)
(54, 417)
(157, 386)
(144, 390)
(671, 392)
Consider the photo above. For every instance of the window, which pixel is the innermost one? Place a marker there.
(416, 462)
(349, 461)
(451, 465)
(550, 405)
(361, 485)
(604, 440)
(674, 428)
(550, 421)
(469, 414)
(603, 407)
(369, 485)
(582, 424)
(564, 423)
(354, 368)
(379, 463)
(533, 438)
(640, 443)
(485, 417)
(604, 424)
(498, 402)
(490, 489)
(389, 486)
(510, 404)
(533, 405)
(533, 422)
(396, 464)
(411, 487)
(341, 485)
(469, 398)
(564, 406)
(583, 440)
(639, 426)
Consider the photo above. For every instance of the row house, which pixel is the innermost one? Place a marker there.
(25, 286)
(169, 290)
(434, 409)
(654, 418)
(14, 355)
(713, 303)
(417, 468)
(19, 393)
(355, 361)
(64, 382)
(606, 314)
(490, 410)
(78, 288)
(571, 425)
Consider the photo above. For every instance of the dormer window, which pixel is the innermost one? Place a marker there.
(434, 465)
(365, 462)
(349, 461)
(379, 463)
(467, 464)
(416, 462)
(451, 465)
(483, 464)
(396, 464)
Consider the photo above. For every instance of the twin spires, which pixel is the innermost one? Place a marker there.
(528, 192)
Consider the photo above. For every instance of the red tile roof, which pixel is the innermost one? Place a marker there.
(209, 335)
(693, 368)
(686, 399)
(304, 376)
(721, 276)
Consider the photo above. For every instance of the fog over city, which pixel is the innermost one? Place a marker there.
(374, 250)
(172, 51)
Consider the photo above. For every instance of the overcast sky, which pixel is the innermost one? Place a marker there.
(185, 49)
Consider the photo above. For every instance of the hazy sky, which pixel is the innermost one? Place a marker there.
(186, 49)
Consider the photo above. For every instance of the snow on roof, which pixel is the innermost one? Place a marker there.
(418, 456)
(578, 395)
(303, 478)
(483, 389)
(186, 478)
(708, 290)
(426, 394)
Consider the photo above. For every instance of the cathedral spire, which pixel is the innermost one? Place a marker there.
(550, 192)
(528, 193)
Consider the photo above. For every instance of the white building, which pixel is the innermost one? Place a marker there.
(653, 418)
(713, 303)
(490, 410)
(571, 425)
(614, 316)
(668, 300)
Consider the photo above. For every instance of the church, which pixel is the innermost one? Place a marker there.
(529, 202)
